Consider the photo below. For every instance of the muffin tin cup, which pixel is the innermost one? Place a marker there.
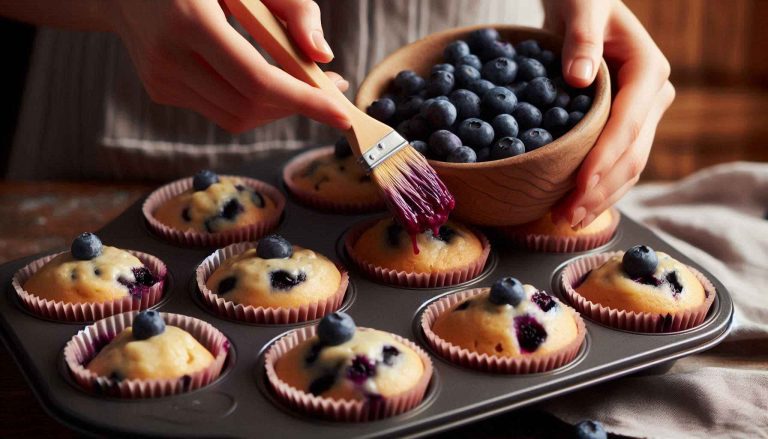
(260, 314)
(436, 279)
(88, 312)
(318, 202)
(493, 363)
(84, 346)
(574, 273)
(562, 244)
(219, 239)
(342, 410)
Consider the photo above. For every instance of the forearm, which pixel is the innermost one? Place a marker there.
(70, 14)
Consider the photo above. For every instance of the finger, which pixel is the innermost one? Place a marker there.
(210, 85)
(341, 83)
(189, 98)
(585, 23)
(302, 17)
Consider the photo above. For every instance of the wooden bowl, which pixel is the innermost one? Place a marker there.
(518, 189)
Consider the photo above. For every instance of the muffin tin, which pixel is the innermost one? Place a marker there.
(239, 402)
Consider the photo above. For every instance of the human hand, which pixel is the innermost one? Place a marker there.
(607, 28)
(188, 55)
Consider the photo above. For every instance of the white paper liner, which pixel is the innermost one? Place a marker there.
(317, 201)
(85, 345)
(218, 239)
(415, 279)
(574, 273)
(88, 312)
(562, 244)
(530, 363)
(260, 314)
(336, 409)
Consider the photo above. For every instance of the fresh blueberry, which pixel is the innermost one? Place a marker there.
(506, 147)
(440, 83)
(231, 209)
(341, 148)
(544, 300)
(408, 82)
(517, 88)
(274, 247)
(382, 109)
(574, 117)
(535, 138)
(528, 48)
(465, 75)
(408, 107)
(361, 369)
(640, 261)
(466, 102)
(455, 50)
(470, 60)
(483, 154)
(480, 86)
(440, 114)
(203, 179)
(546, 57)
(430, 100)
(498, 100)
(498, 49)
(475, 133)
(505, 125)
(86, 247)
(527, 115)
(419, 146)
(529, 68)
(443, 142)
(562, 100)
(540, 92)
(445, 67)
(463, 154)
(282, 280)
(580, 103)
(147, 323)
(506, 291)
(416, 128)
(530, 333)
(227, 284)
(335, 329)
(555, 120)
(500, 71)
(590, 430)
(481, 39)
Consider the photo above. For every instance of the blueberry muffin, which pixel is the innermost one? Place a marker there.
(150, 350)
(91, 273)
(276, 274)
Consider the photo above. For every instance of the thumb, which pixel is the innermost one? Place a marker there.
(585, 23)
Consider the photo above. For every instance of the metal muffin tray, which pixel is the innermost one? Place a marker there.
(239, 403)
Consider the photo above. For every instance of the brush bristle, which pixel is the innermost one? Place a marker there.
(413, 191)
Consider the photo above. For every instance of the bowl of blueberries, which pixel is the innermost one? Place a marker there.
(489, 108)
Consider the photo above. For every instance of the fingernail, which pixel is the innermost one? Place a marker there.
(320, 44)
(342, 83)
(581, 68)
(593, 180)
(578, 214)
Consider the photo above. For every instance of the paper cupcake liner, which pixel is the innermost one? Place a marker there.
(88, 312)
(315, 201)
(260, 314)
(86, 344)
(574, 273)
(562, 244)
(342, 410)
(436, 279)
(494, 363)
(219, 239)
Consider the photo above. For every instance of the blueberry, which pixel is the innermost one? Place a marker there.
(498, 49)
(590, 430)
(226, 285)
(465, 75)
(440, 83)
(407, 82)
(483, 154)
(674, 283)
(580, 103)
(143, 276)
(455, 50)
(394, 231)
(540, 92)
(506, 291)
(419, 146)
(463, 154)
(361, 369)
(274, 247)
(546, 57)
(574, 117)
(341, 148)
(445, 233)
(203, 179)
(430, 100)
(231, 209)
(640, 261)
(320, 385)
(440, 114)
(535, 138)
(562, 100)
(527, 115)
(544, 300)
(283, 281)
(335, 329)
(443, 142)
(506, 147)
(416, 128)
(481, 39)
(86, 247)
(505, 125)
(470, 60)
(445, 67)
(388, 354)
(530, 333)
(500, 71)
(466, 102)
(382, 109)
(517, 88)
(147, 323)
(555, 120)
(498, 100)
(480, 86)
(528, 48)
(475, 133)
(529, 68)
(463, 306)
(408, 107)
